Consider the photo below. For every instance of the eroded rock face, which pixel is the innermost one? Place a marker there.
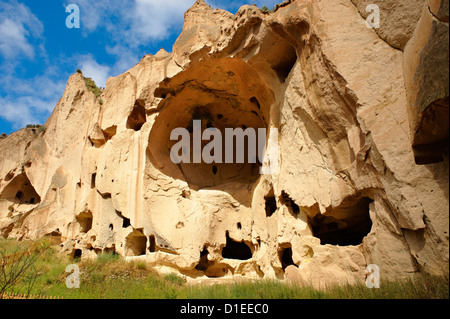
(427, 82)
(348, 192)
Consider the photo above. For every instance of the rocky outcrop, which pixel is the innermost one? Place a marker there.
(347, 192)
(427, 83)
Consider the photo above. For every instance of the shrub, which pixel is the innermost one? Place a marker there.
(265, 9)
(42, 129)
(92, 87)
(20, 265)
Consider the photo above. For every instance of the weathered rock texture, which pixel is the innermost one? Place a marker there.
(346, 101)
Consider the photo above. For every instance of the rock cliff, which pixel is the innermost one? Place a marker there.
(362, 117)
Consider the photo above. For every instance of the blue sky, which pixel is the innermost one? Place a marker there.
(38, 52)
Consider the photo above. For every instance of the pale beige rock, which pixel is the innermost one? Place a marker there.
(427, 83)
(398, 19)
(347, 194)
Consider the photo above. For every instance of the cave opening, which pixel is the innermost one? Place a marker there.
(76, 253)
(346, 225)
(237, 102)
(285, 255)
(211, 162)
(270, 203)
(93, 178)
(110, 132)
(126, 222)
(135, 244)
(431, 134)
(203, 263)
(152, 244)
(236, 250)
(286, 63)
(21, 191)
(85, 221)
(293, 208)
(137, 117)
(19, 195)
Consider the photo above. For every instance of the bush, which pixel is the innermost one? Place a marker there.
(37, 128)
(20, 265)
(42, 129)
(265, 9)
(92, 87)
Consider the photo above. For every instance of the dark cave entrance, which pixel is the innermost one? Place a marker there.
(76, 253)
(21, 190)
(270, 203)
(137, 117)
(285, 255)
(231, 112)
(236, 250)
(152, 246)
(346, 225)
(85, 221)
(135, 244)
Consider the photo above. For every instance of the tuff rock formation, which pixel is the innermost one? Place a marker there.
(362, 116)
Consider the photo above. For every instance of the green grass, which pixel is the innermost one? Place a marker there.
(92, 87)
(111, 277)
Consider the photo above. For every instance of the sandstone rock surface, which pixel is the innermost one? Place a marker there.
(348, 191)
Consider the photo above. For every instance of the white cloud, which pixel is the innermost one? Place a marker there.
(17, 114)
(29, 101)
(154, 20)
(126, 58)
(19, 30)
(92, 69)
(13, 40)
(134, 22)
(128, 25)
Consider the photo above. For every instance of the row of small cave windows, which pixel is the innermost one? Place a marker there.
(240, 252)
(334, 236)
(86, 223)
